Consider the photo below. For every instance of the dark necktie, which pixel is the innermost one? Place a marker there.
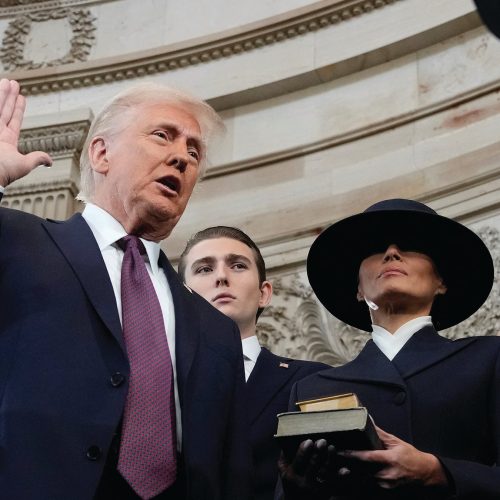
(147, 457)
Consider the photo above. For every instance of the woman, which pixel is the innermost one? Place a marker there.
(402, 272)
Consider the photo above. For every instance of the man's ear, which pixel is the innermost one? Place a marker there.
(360, 296)
(98, 151)
(266, 292)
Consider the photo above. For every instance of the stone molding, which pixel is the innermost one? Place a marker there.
(9, 8)
(18, 30)
(45, 188)
(296, 325)
(198, 51)
(57, 140)
(54, 200)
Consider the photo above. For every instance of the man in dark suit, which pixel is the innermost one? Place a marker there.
(403, 272)
(116, 382)
(225, 266)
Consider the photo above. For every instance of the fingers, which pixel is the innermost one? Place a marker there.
(303, 456)
(17, 115)
(384, 435)
(36, 159)
(310, 458)
(9, 92)
(379, 456)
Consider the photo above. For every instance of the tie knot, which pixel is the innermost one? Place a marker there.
(131, 241)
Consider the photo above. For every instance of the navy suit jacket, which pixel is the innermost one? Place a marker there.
(268, 392)
(61, 342)
(442, 396)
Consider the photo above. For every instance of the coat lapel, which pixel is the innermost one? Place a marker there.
(370, 366)
(426, 348)
(266, 380)
(77, 243)
(187, 325)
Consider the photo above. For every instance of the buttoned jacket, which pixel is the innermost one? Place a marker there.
(64, 370)
(442, 396)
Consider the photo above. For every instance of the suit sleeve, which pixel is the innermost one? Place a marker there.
(473, 480)
(238, 450)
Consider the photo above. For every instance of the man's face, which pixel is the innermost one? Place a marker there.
(148, 168)
(399, 278)
(223, 271)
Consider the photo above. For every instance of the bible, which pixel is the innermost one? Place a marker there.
(339, 419)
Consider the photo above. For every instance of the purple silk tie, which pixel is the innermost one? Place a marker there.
(147, 459)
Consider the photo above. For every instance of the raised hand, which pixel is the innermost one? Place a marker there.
(13, 164)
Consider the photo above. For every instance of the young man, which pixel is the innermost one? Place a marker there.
(226, 268)
(115, 381)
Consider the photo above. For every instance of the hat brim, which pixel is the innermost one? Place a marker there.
(489, 11)
(461, 258)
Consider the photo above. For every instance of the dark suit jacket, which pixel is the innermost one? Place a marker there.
(442, 396)
(268, 392)
(60, 344)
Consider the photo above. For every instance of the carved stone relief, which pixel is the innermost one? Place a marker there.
(56, 140)
(16, 35)
(296, 325)
(9, 8)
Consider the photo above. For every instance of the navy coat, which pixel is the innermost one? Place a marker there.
(442, 396)
(60, 344)
(268, 392)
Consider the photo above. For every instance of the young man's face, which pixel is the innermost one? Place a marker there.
(224, 272)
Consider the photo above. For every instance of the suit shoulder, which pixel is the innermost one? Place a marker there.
(210, 312)
(490, 342)
(217, 324)
(17, 216)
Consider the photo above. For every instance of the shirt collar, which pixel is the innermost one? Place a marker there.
(107, 231)
(391, 344)
(251, 348)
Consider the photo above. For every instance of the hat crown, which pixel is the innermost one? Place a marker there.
(400, 204)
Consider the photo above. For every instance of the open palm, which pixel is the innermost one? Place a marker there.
(13, 164)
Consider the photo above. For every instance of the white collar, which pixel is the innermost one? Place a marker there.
(107, 231)
(251, 348)
(391, 343)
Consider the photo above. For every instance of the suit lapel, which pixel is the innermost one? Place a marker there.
(77, 243)
(426, 348)
(187, 325)
(370, 366)
(266, 380)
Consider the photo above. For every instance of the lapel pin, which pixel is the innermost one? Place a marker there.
(283, 365)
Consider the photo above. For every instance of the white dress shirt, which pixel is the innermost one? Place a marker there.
(251, 350)
(391, 343)
(107, 231)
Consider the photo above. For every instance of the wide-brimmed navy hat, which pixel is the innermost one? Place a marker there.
(461, 258)
(489, 10)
